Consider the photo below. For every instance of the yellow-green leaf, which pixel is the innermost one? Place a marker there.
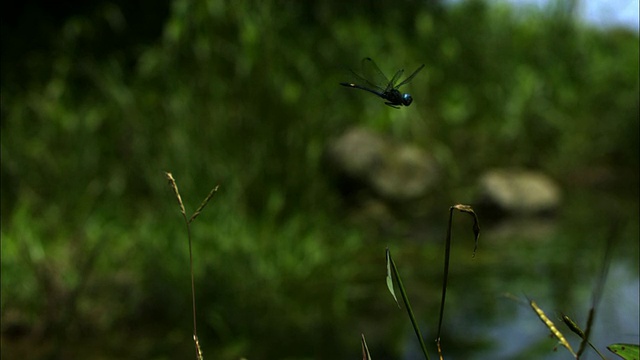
(625, 351)
(389, 279)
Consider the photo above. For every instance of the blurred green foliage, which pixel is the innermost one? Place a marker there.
(244, 94)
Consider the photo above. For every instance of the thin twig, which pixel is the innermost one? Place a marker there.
(187, 222)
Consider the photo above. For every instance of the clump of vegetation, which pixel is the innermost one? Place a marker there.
(246, 95)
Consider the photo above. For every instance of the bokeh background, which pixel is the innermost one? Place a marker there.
(100, 98)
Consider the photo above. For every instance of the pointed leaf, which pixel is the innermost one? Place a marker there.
(391, 265)
(625, 351)
(389, 278)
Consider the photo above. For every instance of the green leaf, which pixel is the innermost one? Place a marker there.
(625, 351)
(391, 265)
(389, 279)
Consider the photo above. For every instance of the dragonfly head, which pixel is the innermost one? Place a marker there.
(406, 99)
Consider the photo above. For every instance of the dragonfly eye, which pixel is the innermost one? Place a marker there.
(406, 99)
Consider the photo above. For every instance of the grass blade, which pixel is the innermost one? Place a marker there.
(599, 288)
(365, 349)
(405, 299)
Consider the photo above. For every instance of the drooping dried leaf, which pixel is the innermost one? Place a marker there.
(476, 223)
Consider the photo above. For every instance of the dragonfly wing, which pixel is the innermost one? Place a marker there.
(410, 76)
(395, 78)
(372, 72)
(363, 82)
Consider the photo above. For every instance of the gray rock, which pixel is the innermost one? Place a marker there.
(390, 170)
(518, 192)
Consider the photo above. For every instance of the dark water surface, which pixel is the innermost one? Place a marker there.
(555, 262)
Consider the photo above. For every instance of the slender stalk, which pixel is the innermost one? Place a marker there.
(187, 221)
(193, 291)
(599, 288)
(447, 252)
(445, 277)
(365, 349)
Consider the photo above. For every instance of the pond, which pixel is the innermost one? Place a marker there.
(556, 262)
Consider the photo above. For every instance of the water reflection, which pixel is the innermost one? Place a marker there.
(554, 262)
(523, 336)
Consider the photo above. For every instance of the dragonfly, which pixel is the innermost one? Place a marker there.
(375, 82)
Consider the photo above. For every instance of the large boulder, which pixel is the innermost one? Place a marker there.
(364, 160)
(518, 192)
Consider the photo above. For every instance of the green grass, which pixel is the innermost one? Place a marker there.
(246, 95)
